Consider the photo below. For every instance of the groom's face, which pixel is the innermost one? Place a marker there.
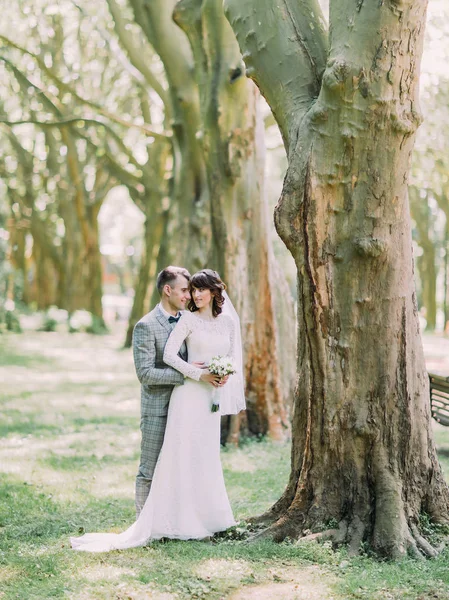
(179, 293)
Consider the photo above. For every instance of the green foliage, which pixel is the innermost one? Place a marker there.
(434, 532)
(12, 321)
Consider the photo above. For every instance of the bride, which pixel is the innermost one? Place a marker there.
(188, 498)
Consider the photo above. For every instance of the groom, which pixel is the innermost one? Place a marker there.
(157, 379)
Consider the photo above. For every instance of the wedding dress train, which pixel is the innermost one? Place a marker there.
(188, 498)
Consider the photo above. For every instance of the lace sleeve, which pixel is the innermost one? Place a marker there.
(182, 330)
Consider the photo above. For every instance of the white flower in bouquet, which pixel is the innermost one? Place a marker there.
(222, 366)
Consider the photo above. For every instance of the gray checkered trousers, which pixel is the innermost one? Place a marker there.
(149, 338)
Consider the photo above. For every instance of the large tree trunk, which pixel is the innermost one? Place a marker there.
(362, 453)
(241, 251)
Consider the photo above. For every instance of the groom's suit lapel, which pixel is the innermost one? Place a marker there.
(166, 325)
(163, 321)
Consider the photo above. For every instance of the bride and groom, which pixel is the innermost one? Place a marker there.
(180, 490)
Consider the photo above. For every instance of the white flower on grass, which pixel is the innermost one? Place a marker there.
(57, 314)
(81, 319)
(10, 305)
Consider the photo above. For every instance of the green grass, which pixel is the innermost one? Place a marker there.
(68, 456)
(9, 355)
(16, 422)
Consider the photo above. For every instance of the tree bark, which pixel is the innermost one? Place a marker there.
(362, 453)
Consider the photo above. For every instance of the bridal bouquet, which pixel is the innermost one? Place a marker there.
(222, 366)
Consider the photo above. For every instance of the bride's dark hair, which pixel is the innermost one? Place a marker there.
(210, 280)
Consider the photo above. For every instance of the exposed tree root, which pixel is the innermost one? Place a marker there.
(261, 520)
(422, 544)
(283, 528)
(321, 536)
(409, 541)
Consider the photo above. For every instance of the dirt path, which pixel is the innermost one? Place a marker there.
(307, 583)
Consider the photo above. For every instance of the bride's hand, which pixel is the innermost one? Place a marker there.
(224, 380)
(210, 378)
(200, 365)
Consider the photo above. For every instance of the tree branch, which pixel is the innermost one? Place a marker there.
(136, 54)
(170, 43)
(285, 53)
(59, 123)
(62, 86)
(147, 78)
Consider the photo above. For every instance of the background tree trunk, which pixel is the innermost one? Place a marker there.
(232, 140)
(362, 454)
(426, 263)
(443, 203)
(189, 191)
(146, 278)
(446, 280)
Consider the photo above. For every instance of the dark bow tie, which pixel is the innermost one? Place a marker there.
(174, 319)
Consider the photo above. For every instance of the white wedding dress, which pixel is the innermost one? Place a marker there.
(188, 498)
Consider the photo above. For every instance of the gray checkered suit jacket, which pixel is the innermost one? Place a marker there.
(157, 379)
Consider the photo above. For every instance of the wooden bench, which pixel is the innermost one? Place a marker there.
(439, 398)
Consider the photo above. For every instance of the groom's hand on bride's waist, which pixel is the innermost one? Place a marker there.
(200, 365)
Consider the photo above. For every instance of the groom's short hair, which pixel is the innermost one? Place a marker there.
(169, 275)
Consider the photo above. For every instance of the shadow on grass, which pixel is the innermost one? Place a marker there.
(16, 422)
(85, 462)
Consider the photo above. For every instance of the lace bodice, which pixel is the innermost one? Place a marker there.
(204, 340)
